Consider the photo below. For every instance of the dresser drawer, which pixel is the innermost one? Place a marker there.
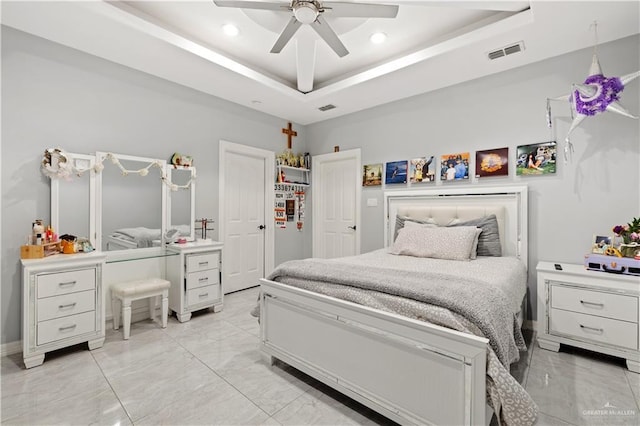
(201, 262)
(203, 278)
(594, 328)
(65, 327)
(608, 305)
(203, 295)
(66, 304)
(65, 282)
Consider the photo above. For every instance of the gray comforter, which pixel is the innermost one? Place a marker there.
(460, 304)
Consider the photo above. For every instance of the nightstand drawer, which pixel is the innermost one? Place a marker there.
(66, 282)
(66, 304)
(608, 305)
(200, 295)
(201, 262)
(63, 328)
(594, 328)
(203, 278)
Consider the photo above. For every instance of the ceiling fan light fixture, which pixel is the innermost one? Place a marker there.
(378, 38)
(230, 30)
(305, 12)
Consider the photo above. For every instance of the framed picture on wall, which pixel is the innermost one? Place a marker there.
(536, 159)
(492, 162)
(422, 170)
(372, 174)
(454, 167)
(396, 172)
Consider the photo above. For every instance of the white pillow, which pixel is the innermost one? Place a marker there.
(455, 243)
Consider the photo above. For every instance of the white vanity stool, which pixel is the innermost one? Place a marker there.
(128, 291)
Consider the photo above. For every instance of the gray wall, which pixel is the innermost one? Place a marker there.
(53, 96)
(590, 195)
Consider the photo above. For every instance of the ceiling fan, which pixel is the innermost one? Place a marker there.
(309, 12)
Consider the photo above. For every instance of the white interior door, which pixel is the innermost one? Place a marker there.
(336, 204)
(246, 229)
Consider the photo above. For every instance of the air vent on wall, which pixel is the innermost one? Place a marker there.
(327, 107)
(507, 50)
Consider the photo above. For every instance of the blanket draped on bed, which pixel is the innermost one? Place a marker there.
(452, 302)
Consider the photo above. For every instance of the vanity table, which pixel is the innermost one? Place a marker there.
(195, 276)
(62, 304)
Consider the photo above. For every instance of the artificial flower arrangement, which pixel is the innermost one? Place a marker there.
(630, 234)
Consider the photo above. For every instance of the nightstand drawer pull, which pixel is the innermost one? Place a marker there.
(203, 295)
(67, 306)
(68, 327)
(586, 302)
(599, 330)
(203, 263)
(67, 283)
(204, 279)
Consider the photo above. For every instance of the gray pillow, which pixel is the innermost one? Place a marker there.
(489, 240)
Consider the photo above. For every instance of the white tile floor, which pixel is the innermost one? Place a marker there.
(209, 371)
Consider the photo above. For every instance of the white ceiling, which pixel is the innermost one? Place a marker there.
(430, 45)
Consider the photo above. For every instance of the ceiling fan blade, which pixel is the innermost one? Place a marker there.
(324, 30)
(252, 4)
(305, 60)
(286, 35)
(360, 10)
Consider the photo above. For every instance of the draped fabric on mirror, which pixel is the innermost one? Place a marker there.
(181, 199)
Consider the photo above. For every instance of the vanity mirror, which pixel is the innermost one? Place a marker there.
(181, 202)
(73, 199)
(131, 200)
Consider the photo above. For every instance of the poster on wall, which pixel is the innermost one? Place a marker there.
(492, 162)
(536, 159)
(280, 210)
(454, 167)
(372, 174)
(422, 170)
(396, 172)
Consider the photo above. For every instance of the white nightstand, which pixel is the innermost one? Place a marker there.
(589, 309)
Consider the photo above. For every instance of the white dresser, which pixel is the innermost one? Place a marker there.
(589, 309)
(195, 278)
(62, 304)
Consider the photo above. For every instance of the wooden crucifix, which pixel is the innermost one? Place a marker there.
(290, 133)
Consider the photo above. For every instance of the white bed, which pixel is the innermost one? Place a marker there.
(414, 372)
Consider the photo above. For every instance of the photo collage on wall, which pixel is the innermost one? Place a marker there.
(531, 160)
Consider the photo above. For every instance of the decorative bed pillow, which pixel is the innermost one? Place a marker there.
(402, 221)
(452, 243)
(489, 240)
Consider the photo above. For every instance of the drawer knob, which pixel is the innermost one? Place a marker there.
(203, 263)
(67, 283)
(598, 330)
(68, 327)
(203, 279)
(203, 295)
(68, 305)
(586, 302)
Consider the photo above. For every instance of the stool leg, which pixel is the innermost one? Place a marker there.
(115, 310)
(152, 307)
(126, 317)
(165, 308)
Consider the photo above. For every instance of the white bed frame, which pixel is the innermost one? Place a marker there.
(410, 371)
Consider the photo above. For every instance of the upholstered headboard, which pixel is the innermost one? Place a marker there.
(445, 206)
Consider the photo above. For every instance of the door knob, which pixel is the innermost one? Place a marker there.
(261, 227)
(352, 227)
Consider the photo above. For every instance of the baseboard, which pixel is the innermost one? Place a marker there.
(11, 348)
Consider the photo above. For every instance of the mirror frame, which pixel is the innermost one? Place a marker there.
(192, 193)
(101, 157)
(55, 195)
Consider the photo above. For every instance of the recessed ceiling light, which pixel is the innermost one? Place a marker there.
(378, 38)
(230, 30)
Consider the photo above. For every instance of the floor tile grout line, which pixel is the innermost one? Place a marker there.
(558, 418)
(635, 397)
(218, 374)
(111, 387)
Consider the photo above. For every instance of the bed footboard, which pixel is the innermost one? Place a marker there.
(410, 371)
